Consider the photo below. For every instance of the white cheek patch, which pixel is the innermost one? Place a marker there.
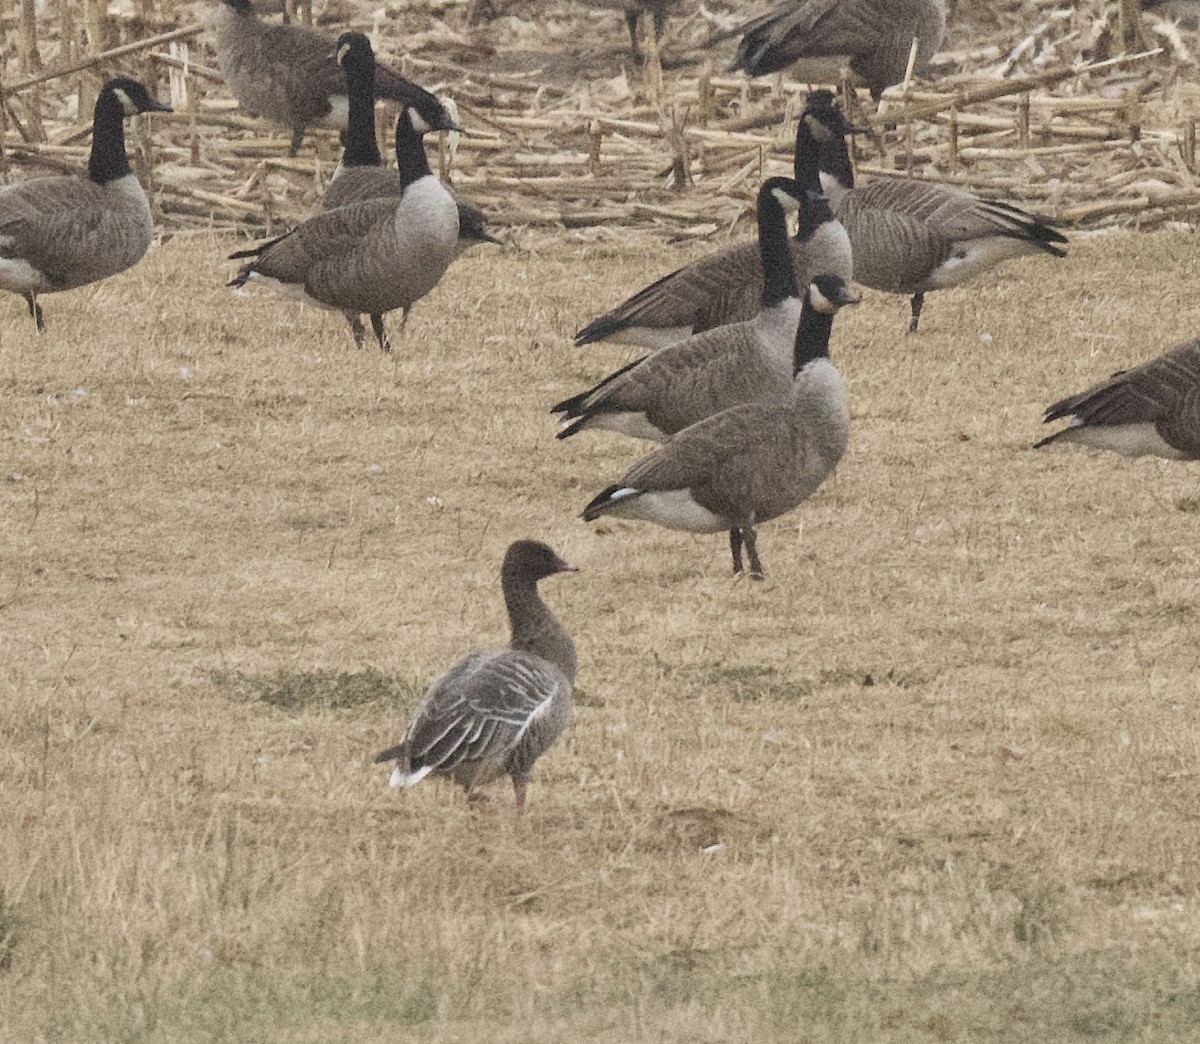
(127, 105)
(339, 110)
(819, 301)
(419, 124)
(785, 199)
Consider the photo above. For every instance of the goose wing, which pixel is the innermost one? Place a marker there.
(1164, 392)
(724, 287)
(479, 710)
(692, 456)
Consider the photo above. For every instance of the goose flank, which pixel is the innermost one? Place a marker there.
(289, 75)
(495, 713)
(751, 463)
(743, 362)
(62, 232)
(726, 287)
(1151, 410)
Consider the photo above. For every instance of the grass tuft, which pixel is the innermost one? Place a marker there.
(297, 691)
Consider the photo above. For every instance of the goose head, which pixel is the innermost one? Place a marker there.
(828, 293)
(133, 97)
(531, 560)
(354, 52)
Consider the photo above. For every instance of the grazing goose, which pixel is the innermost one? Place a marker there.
(911, 237)
(726, 287)
(374, 256)
(1151, 410)
(873, 38)
(496, 712)
(750, 463)
(744, 362)
(633, 9)
(62, 232)
(362, 174)
(289, 75)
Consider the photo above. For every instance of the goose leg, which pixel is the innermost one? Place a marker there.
(751, 539)
(519, 794)
(660, 22)
(735, 549)
(918, 303)
(297, 139)
(356, 327)
(631, 20)
(380, 333)
(35, 311)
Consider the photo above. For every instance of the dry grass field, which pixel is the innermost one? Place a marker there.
(936, 779)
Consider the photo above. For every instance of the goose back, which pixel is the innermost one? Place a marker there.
(873, 37)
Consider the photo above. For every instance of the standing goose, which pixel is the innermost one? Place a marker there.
(726, 287)
(823, 37)
(374, 256)
(1151, 410)
(663, 393)
(362, 174)
(750, 463)
(289, 75)
(62, 232)
(911, 237)
(496, 712)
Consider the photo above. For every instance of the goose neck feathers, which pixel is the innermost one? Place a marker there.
(534, 627)
(779, 277)
(410, 150)
(358, 139)
(821, 150)
(118, 98)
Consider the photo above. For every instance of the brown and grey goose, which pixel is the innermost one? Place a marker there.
(726, 287)
(496, 712)
(289, 75)
(821, 38)
(62, 232)
(362, 174)
(751, 463)
(661, 394)
(910, 237)
(1151, 410)
(370, 257)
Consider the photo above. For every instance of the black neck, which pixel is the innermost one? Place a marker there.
(808, 157)
(108, 160)
(835, 160)
(812, 336)
(410, 152)
(814, 212)
(779, 278)
(242, 7)
(361, 148)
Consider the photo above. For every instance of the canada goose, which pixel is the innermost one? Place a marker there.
(726, 287)
(369, 257)
(62, 232)
(289, 75)
(496, 712)
(1151, 410)
(744, 362)
(753, 462)
(362, 174)
(822, 37)
(911, 237)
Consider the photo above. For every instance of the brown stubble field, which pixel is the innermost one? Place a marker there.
(948, 749)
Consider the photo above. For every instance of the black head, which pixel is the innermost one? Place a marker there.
(131, 96)
(354, 51)
(823, 117)
(533, 560)
(784, 191)
(425, 113)
(473, 224)
(240, 6)
(828, 293)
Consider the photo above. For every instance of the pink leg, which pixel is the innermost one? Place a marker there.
(519, 793)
